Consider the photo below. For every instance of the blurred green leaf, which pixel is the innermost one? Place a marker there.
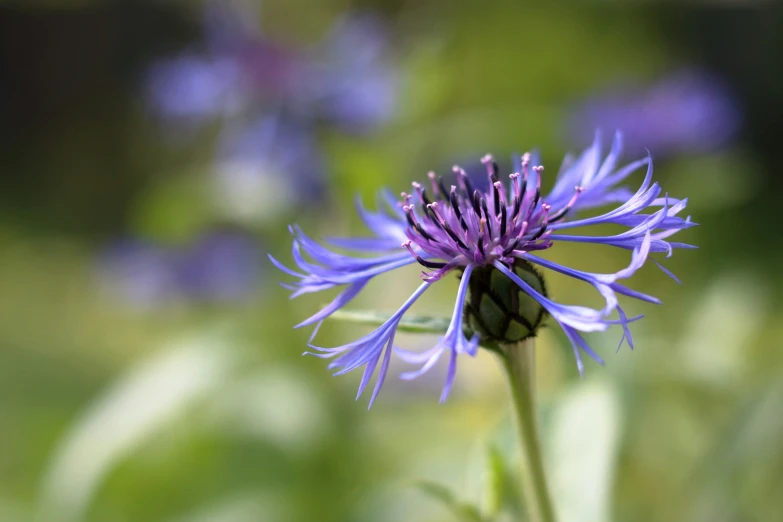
(462, 510)
(494, 481)
(583, 442)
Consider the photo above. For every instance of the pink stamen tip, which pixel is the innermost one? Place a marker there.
(416, 185)
(431, 175)
(579, 189)
(514, 175)
(497, 184)
(546, 206)
(539, 168)
(525, 158)
(453, 189)
(487, 158)
(455, 168)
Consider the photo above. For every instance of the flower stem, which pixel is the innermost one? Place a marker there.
(519, 363)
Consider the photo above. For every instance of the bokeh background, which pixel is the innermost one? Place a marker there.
(152, 153)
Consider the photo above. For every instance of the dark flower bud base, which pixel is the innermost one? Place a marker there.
(499, 310)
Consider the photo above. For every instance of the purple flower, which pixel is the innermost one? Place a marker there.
(344, 80)
(218, 266)
(270, 100)
(489, 234)
(688, 111)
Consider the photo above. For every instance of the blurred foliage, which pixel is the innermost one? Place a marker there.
(198, 410)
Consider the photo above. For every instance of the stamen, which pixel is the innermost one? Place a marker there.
(454, 236)
(538, 234)
(545, 208)
(537, 196)
(445, 226)
(413, 222)
(462, 178)
(432, 215)
(496, 197)
(562, 212)
(518, 239)
(442, 188)
(503, 220)
(486, 214)
(477, 203)
(433, 182)
(424, 199)
(429, 264)
(417, 187)
(455, 205)
(502, 191)
(520, 190)
(492, 167)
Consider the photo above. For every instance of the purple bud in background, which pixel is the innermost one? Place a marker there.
(686, 112)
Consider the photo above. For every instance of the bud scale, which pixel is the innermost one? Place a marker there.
(498, 310)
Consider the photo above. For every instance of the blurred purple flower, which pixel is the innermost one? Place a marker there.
(218, 266)
(270, 100)
(688, 111)
(138, 272)
(349, 83)
(343, 80)
(222, 266)
(192, 88)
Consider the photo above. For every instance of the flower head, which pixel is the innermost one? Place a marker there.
(492, 238)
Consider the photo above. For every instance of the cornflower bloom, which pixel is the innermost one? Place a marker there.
(492, 239)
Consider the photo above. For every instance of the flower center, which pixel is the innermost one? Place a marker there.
(462, 226)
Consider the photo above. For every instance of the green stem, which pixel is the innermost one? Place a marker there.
(519, 362)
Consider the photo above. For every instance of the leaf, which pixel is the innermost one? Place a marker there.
(133, 410)
(463, 511)
(409, 323)
(494, 481)
(500, 487)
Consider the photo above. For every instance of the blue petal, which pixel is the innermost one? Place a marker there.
(454, 340)
(369, 349)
